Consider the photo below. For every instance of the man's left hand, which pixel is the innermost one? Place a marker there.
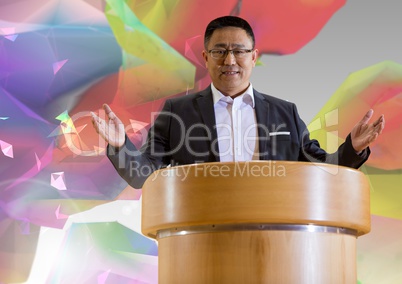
(363, 133)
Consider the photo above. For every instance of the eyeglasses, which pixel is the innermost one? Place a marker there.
(222, 53)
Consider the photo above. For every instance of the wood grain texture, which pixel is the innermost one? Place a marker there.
(261, 192)
(232, 193)
(276, 257)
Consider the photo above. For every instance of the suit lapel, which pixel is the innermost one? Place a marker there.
(262, 115)
(206, 110)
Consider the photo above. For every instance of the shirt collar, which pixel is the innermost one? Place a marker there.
(217, 95)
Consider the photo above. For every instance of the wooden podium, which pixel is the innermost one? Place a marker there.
(256, 222)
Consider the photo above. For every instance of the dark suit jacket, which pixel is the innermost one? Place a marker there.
(184, 133)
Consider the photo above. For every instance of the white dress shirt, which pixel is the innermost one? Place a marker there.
(236, 126)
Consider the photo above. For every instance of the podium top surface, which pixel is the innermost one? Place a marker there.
(256, 192)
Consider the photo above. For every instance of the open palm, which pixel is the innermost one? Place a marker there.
(112, 130)
(363, 133)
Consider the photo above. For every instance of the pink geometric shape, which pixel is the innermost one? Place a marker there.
(284, 27)
(7, 149)
(11, 37)
(137, 125)
(378, 87)
(98, 4)
(33, 171)
(57, 65)
(137, 130)
(38, 162)
(80, 128)
(189, 52)
(60, 215)
(57, 180)
(103, 277)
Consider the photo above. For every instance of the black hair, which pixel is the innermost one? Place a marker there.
(228, 21)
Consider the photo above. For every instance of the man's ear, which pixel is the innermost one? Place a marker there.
(255, 56)
(205, 56)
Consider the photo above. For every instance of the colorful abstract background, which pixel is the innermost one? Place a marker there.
(65, 214)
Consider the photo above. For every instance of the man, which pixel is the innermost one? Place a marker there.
(228, 121)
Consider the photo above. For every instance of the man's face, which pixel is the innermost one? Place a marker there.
(231, 74)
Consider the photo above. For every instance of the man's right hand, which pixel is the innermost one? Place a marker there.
(112, 130)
